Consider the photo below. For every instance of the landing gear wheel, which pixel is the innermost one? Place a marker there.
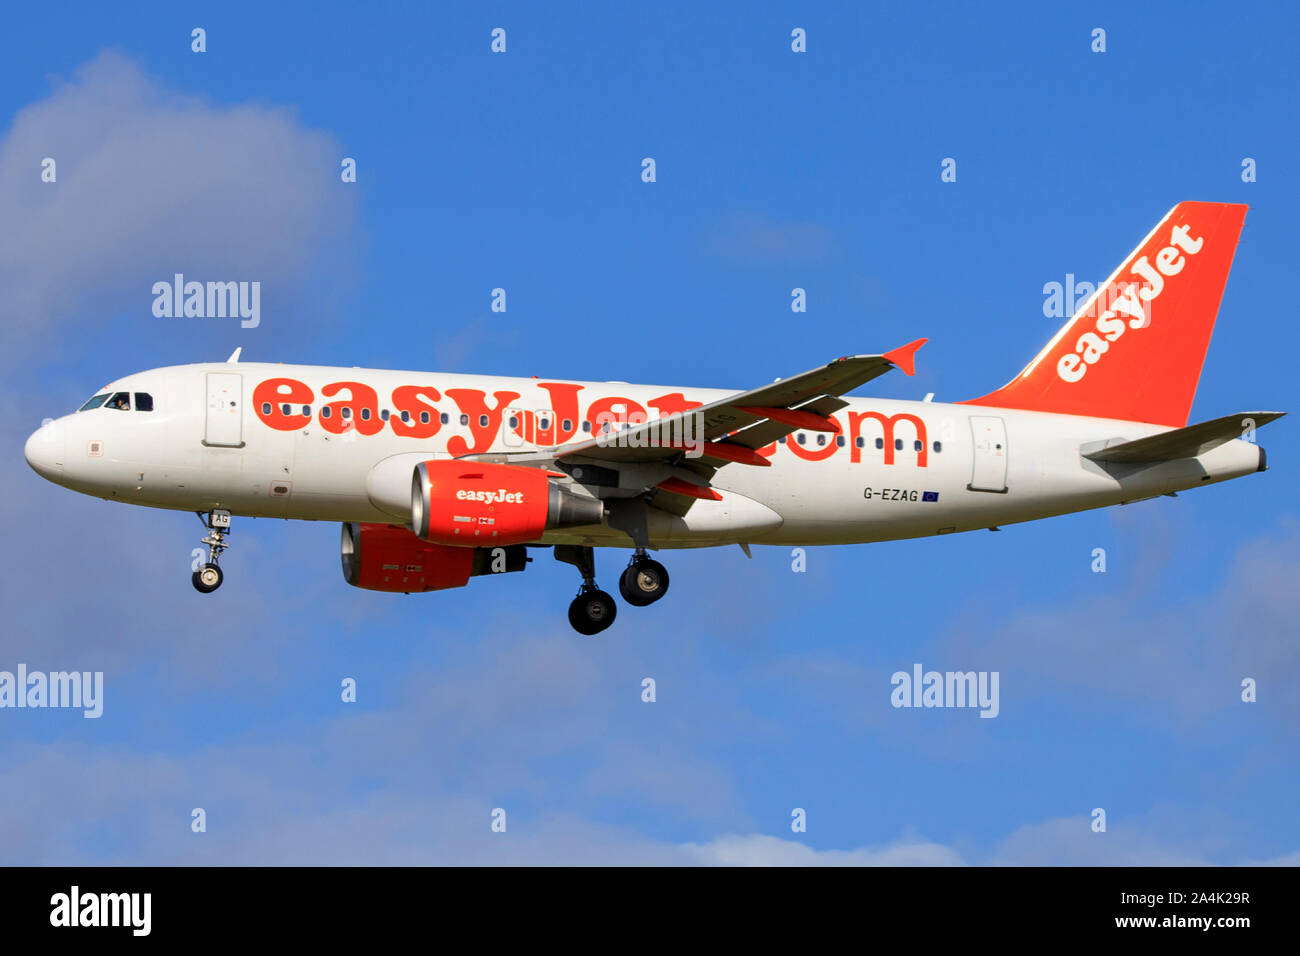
(592, 611)
(207, 578)
(643, 582)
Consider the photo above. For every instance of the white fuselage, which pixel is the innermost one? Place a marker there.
(209, 443)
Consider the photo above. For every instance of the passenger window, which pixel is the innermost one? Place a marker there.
(839, 441)
(464, 419)
(938, 446)
(120, 400)
(143, 402)
(424, 418)
(801, 438)
(567, 425)
(586, 425)
(406, 416)
(306, 410)
(384, 414)
(286, 409)
(442, 418)
(861, 442)
(821, 439)
(917, 446)
(346, 412)
(482, 421)
(94, 402)
(266, 408)
(880, 443)
(514, 421)
(365, 414)
(326, 412)
(898, 444)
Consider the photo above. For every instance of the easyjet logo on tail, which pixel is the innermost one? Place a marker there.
(1131, 309)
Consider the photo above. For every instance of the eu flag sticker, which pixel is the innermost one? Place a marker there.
(929, 496)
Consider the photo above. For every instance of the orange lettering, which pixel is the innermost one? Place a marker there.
(887, 427)
(415, 399)
(471, 402)
(275, 393)
(362, 406)
(821, 454)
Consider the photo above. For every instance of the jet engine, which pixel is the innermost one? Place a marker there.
(476, 504)
(385, 557)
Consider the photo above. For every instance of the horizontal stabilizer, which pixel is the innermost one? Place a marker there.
(1185, 442)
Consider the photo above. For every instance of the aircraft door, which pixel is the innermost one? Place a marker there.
(224, 425)
(989, 471)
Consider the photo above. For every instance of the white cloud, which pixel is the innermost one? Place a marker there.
(763, 239)
(761, 850)
(152, 182)
(1070, 841)
(1189, 657)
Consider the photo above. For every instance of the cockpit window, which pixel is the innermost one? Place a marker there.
(94, 402)
(119, 400)
(143, 402)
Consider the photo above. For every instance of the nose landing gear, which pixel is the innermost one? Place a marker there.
(209, 577)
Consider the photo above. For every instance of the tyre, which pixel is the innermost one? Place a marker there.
(592, 611)
(207, 578)
(643, 582)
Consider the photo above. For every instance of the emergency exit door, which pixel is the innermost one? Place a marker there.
(225, 418)
(989, 472)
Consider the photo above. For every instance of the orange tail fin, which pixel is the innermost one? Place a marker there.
(1134, 350)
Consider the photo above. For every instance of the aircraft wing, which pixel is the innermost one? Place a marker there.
(756, 417)
(730, 430)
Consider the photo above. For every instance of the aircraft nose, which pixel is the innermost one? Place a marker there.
(44, 451)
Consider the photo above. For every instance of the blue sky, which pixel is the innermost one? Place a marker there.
(774, 170)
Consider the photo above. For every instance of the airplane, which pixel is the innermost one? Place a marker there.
(437, 478)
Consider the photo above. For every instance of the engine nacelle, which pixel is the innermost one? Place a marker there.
(475, 504)
(386, 557)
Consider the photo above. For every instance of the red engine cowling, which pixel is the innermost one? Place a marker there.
(475, 504)
(386, 557)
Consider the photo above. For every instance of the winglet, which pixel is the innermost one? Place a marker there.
(234, 356)
(905, 356)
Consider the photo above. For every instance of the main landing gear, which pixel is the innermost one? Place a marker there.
(208, 577)
(592, 610)
(643, 582)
